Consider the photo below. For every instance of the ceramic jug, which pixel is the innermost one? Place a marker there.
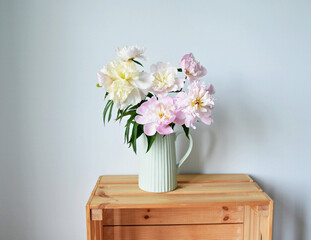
(158, 167)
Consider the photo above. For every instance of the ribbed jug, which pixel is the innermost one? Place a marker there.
(158, 167)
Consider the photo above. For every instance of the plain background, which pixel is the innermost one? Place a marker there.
(53, 142)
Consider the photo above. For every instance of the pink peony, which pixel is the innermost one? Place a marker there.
(196, 104)
(192, 68)
(157, 114)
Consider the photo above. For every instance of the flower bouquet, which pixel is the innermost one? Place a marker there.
(154, 103)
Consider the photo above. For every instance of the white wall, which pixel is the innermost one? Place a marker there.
(53, 142)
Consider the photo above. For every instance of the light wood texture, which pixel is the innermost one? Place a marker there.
(202, 204)
(183, 188)
(180, 232)
(97, 231)
(177, 200)
(161, 216)
(96, 214)
(203, 190)
(88, 212)
(247, 223)
(266, 220)
(258, 222)
(182, 178)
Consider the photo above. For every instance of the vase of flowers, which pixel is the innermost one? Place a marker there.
(154, 103)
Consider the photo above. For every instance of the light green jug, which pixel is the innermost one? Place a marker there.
(158, 167)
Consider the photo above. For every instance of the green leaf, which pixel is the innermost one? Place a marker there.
(106, 94)
(127, 108)
(98, 85)
(186, 130)
(129, 121)
(150, 95)
(119, 117)
(151, 140)
(106, 109)
(127, 132)
(126, 114)
(140, 130)
(109, 116)
(127, 129)
(137, 105)
(119, 112)
(134, 135)
(137, 62)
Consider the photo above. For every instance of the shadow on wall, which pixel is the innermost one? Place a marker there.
(236, 122)
(204, 145)
(287, 214)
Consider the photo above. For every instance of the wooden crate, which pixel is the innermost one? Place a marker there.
(204, 206)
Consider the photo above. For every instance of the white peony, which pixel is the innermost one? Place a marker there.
(124, 83)
(165, 79)
(130, 52)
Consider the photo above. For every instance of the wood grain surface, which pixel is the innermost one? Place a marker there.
(204, 206)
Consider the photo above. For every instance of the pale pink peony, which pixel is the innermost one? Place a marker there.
(192, 68)
(165, 78)
(157, 114)
(196, 104)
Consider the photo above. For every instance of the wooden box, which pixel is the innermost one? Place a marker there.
(205, 206)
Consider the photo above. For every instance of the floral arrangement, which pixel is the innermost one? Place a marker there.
(155, 102)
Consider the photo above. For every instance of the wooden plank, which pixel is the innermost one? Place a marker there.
(97, 230)
(263, 210)
(270, 220)
(182, 178)
(254, 226)
(152, 200)
(183, 188)
(162, 216)
(96, 214)
(247, 223)
(201, 178)
(88, 211)
(180, 232)
(88, 222)
(258, 222)
(266, 221)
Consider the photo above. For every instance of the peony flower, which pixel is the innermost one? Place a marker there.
(165, 79)
(192, 68)
(124, 83)
(157, 114)
(196, 104)
(130, 52)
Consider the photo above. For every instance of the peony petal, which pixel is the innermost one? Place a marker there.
(130, 52)
(166, 100)
(180, 82)
(100, 77)
(146, 105)
(133, 98)
(150, 129)
(189, 120)
(141, 120)
(164, 130)
(211, 89)
(142, 109)
(144, 80)
(180, 118)
(206, 118)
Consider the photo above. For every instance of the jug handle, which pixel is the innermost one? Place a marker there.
(183, 159)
